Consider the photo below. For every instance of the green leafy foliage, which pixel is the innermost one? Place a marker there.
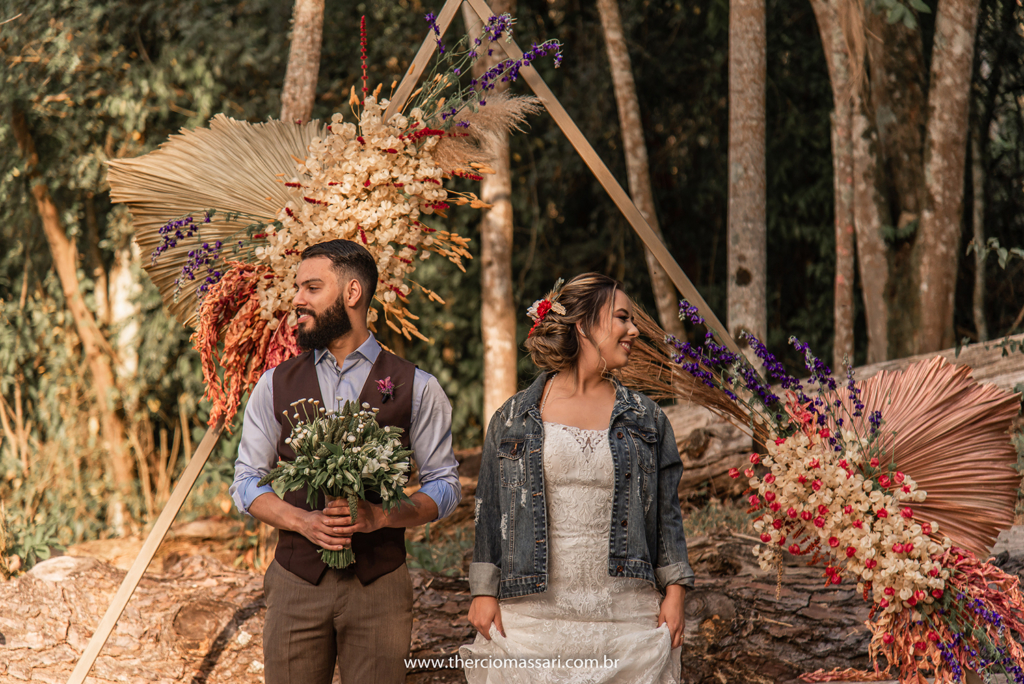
(894, 234)
(895, 11)
(716, 516)
(1003, 254)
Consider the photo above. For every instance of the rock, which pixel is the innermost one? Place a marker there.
(60, 568)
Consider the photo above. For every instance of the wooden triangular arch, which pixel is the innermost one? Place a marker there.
(583, 148)
(597, 167)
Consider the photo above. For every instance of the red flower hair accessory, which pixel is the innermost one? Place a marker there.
(540, 308)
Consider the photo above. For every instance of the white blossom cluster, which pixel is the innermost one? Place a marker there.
(370, 184)
(343, 453)
(856, 510)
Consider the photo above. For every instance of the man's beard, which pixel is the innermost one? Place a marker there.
(326, 327)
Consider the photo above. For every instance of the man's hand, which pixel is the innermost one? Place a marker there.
(323, 528)
(369, 518)
(332, 528)
(483, 612)
(672, 613)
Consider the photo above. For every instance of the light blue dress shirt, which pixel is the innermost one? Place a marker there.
(430, 434)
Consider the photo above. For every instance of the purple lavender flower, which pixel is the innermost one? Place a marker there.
(498, 25)
(172, 231)
(205, 255)
(431, 19)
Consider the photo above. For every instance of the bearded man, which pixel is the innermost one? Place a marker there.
(359, 617)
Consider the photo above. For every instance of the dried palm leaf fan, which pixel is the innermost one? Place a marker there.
(950, 434)
(232, 166)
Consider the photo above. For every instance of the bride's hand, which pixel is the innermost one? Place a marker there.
(671, 613)
(483, 612)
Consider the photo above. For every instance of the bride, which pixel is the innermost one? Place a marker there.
(579, 569)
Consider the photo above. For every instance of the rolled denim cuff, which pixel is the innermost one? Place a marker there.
(677, 573)
(483, 579)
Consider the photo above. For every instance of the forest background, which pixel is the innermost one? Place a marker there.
(87, 81)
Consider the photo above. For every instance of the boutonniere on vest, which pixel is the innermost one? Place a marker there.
(344, 454)
(386, 389)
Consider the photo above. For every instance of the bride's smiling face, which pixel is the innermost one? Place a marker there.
(611, 342)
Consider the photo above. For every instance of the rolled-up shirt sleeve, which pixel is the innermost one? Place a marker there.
(257, 450)
(430, 437)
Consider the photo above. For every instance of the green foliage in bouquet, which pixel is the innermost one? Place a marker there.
(344, 453)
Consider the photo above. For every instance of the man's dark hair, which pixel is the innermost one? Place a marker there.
(349, 260)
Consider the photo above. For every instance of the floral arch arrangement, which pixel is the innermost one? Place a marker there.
(224, 212)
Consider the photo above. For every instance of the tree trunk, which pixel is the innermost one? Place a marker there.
(899, 101)
(93, 345)
(868, 211)
(637, 165)
(899, 105)
(978, 226)
(842, 168)
(937, 246)
(837, 56)
(95, 261)
(497, 314)
(124, 310)
(299, 90)
(747, 309)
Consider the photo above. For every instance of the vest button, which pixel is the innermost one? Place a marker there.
(619, 434)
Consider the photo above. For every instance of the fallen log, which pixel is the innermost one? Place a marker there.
(201, 621)
(708, 446)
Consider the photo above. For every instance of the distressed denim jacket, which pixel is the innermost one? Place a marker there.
(510, 557)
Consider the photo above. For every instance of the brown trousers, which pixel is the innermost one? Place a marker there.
(308, 628)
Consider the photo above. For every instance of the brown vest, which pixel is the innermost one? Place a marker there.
(377, 553)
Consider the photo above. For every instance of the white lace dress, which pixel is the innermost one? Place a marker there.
(585, 613)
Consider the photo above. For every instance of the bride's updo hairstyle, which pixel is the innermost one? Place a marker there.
(554, 344)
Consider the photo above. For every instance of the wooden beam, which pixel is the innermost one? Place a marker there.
(583, 148)
(149, 548)
(419, 62)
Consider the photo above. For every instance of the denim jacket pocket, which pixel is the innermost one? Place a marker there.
(510, 458)
(645, 444)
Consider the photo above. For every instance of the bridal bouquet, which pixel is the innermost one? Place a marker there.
(343, 453)
(840, 482)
